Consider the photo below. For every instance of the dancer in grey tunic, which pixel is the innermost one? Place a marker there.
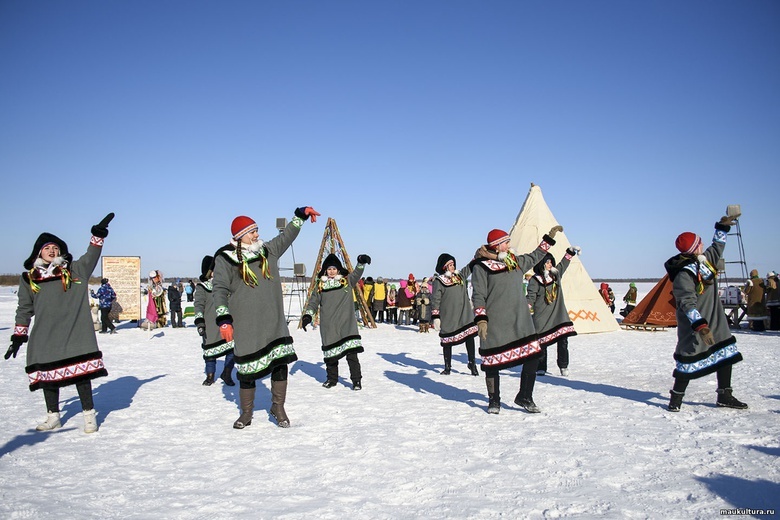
(704, 341)
(248, 298)
(214, 347)
(499, 299)
(451, 310)
(333, 298)
(551, 318)
(62, 349)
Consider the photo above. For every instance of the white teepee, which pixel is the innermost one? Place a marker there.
(587, 309)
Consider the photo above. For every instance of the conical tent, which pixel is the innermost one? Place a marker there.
(587, 309)
(657, 308)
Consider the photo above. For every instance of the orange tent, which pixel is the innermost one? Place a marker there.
(657, 308)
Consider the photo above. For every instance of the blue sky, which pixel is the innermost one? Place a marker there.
(417, 126)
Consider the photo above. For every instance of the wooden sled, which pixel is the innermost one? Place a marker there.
(642, 326)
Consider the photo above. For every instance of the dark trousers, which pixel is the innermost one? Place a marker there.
(332, 368)
(563, 355)
(774, 317)
(724, 380)
(279, 373)
(392, 315)
(174, 321)
(105, 320)
(52, 397)
(527, 380)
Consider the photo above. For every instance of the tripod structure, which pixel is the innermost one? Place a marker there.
(332, 243)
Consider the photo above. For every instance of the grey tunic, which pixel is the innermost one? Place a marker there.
(62, 349)
(213, 345)
(693, 357)
(451, 304)
(499, 298)
(551, 317)
(338, 326)
(261, 338)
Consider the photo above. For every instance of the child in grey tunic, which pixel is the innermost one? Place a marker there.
(333, 299)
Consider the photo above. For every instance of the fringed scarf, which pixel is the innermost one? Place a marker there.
(247, 275)
(42, 271)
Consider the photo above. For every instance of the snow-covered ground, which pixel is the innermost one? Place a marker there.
(411, 444)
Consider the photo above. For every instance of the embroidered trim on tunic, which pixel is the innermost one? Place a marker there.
(64, 373)
(218, 350)
(553, 336)
(260, 364)
(340, 349)
(512, 355)
(716, 357)
(459, 337)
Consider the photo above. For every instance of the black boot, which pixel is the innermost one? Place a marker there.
(447, 360)
(227, 377)
(727, 400)
(473, 368)
(494, 399)
(209, 380)
(524, 397)
(676, 401)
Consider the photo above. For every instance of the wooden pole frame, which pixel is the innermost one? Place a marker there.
(332, 243)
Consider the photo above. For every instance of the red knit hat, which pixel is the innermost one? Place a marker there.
(496, 237)
(687, 242)
(241, 226)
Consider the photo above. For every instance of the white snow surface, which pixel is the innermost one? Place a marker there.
(412, 444)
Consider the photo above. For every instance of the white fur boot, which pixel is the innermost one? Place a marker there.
(90, 422)
(52, 421)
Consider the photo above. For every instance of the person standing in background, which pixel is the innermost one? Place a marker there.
(609, 297)
(392, 309)
(755, 290)
(629, 299)
(174, 300)
(106, 297)
(773, 300)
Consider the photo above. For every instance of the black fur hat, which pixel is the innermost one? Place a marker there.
(442, 261)
(539, 268)
(206, 265)
(43, 239)
(332, 261)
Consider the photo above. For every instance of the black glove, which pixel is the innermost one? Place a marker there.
(364, 259)
(306, 212)
(100, 229)
(16, 342)
(202, 330)
(306, 320)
